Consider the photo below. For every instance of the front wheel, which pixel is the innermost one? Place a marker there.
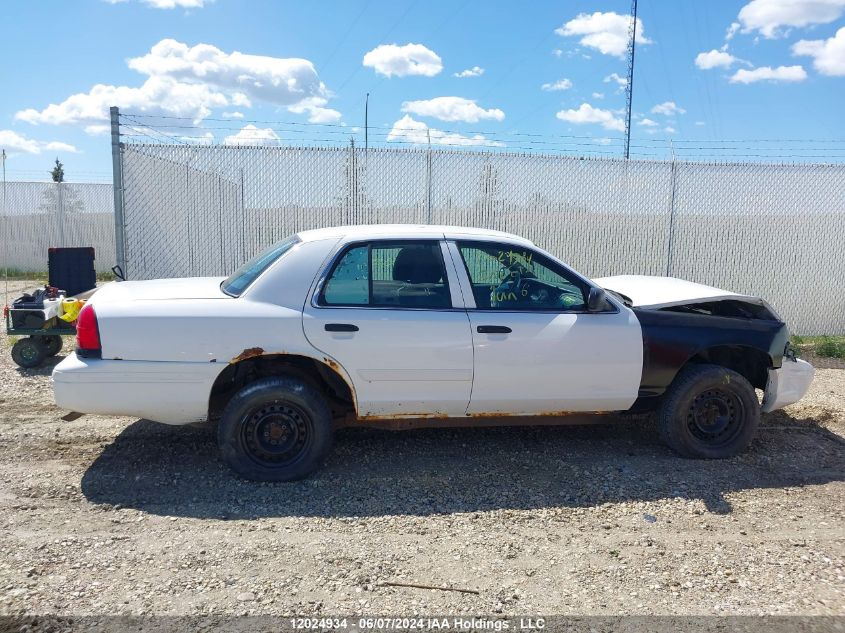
(275, 429)
(709, 412)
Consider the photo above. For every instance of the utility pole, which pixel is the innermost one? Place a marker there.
(366, 127)
(629, 86)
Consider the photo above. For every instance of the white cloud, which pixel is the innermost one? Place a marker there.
(588, 114)
(560, 84)
(648, 123)
(667, 108)
(828, 55)
(317, 113)
(15, 143)
(700, 123)
(773, 18)
(157, 95)
(732, 30)
(252, 135)
(189, 82)
(605, 32)
(598, 95)
(475, 71)
(409, 130)
(714, 59)
(622, 81)
(401, 61)
(279, 80)
(767, 73)
(669, 129)
(233, 115)
(557, 52)
(452, 109)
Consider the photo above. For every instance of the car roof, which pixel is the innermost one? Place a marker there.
(364, 231)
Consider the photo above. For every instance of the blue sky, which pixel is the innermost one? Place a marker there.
(526, 76)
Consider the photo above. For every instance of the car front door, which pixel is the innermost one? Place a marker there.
(538, 350)
(391, 313)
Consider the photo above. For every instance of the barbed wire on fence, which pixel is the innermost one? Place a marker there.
(140, 128)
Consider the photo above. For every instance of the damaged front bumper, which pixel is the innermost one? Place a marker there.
(788, 384)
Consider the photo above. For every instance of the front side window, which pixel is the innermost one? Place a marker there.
(407, 274)
(509, 277)
(240, 280)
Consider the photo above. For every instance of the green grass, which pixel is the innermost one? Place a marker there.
(41, 276)
(826, 346)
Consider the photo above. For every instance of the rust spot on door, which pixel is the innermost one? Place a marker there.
(250, 352)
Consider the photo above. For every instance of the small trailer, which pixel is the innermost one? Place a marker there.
(39, 321)
(39, 342)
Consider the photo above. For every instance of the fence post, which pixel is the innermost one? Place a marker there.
(428, 178)
(117, 181)
(60, 212)
(673, 179)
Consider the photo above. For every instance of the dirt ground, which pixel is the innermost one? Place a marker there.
(108, 515)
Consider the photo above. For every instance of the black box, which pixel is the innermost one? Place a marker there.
(72, 269)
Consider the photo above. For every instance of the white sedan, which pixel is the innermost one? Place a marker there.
(401, 326)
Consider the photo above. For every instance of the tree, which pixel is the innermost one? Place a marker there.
(58, 172)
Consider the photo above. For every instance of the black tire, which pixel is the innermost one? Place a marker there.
(28, 353)
(52, 344)
(275, 429)
(709, 412)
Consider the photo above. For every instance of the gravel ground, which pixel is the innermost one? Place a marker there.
(110, 515)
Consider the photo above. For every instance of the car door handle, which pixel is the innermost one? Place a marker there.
(493, 329)
(341, 327)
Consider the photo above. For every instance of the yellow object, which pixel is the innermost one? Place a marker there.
(70, 309)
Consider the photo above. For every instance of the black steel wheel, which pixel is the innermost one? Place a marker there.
(275, 429)
(28, 353)
(52, 344)
(709, 412)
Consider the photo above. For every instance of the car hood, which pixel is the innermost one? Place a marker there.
(664, 292)
(161, 290)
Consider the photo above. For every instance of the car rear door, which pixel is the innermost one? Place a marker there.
(537, 348)
(391, 313)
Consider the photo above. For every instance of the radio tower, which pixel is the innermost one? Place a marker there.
(629, 87)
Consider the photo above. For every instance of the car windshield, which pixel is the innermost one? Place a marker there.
(240, 280)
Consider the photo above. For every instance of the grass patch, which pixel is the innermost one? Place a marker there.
(824, 346)
(41, 276)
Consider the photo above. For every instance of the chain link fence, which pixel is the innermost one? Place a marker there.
(41, 215)
(770, 230)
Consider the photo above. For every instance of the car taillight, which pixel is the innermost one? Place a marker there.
(87, 333)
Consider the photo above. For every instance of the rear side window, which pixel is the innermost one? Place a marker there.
(240, 280)
(407, 274)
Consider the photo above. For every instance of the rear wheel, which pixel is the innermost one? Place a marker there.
(275, 429)
(52, 344)
(28, 353)
(709, 412)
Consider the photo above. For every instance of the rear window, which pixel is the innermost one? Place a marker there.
(240, 280)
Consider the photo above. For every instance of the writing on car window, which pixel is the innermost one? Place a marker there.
(506, 277)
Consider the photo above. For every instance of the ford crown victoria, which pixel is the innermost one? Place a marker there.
(402, 326)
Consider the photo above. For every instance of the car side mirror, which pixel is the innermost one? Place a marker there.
(597, 300)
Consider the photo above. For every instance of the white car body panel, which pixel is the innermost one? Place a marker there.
(663, 292)
(168, 392)
(788, 384)
(556, 363)
(402, 362)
